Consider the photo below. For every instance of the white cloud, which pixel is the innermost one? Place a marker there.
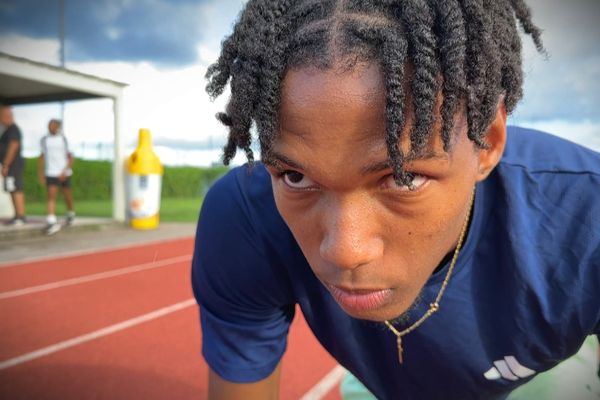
(171, 103)
(207, 55)
(113, 33)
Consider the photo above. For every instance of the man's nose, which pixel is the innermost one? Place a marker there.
(350, 236)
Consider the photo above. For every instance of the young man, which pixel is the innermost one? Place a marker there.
(12, 163)
(54, 170)
(435, 253)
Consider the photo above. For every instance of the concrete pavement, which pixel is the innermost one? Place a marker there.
(27, 243)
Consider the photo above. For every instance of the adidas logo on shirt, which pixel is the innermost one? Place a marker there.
(508, 368)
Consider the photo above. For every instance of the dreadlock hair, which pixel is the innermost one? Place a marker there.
(469, 50)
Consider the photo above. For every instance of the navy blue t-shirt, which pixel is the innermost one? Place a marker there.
(524, 295)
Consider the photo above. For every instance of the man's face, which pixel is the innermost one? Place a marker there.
(53, 127)
(6, 117)
(372, 243)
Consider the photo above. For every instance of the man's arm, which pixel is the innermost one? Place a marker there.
(245, 297)
(69, 156)
(11, 153)
(40, 169)
(63, 174)
(267, 389)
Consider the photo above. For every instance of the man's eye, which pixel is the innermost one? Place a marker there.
(418, 182)
(296, 180)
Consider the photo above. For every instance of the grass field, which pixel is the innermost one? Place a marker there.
(171, 210)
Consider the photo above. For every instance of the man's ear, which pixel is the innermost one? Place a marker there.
(495, 137)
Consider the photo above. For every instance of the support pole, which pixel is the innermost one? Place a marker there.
(118, 167)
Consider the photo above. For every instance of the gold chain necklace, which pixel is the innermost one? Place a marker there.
(435, 306)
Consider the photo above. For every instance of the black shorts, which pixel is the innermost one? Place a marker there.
(54, 181)
(13, 182)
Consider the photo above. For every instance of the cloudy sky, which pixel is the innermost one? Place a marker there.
(161, 48)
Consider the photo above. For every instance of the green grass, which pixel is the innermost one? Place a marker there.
(171, 210)
(184, 209)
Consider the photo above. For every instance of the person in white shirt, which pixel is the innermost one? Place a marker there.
(54, 170)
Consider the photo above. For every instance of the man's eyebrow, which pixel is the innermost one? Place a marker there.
(371, 168)
(286, 160)
(383, 165)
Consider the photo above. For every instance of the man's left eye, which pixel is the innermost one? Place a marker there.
(297, 181)
(418, 182)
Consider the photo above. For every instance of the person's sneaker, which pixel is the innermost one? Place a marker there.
(70, 218)
(16, 221)
(51, 229)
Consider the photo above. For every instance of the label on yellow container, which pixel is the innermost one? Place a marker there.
(143, 184)
(144, 195)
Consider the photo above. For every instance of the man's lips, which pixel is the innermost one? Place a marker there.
(359, 300)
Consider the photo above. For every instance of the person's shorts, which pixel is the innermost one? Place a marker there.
(54, 181)
(13, 182)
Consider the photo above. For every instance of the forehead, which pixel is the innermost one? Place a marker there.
(333, 99)
(320, 105)
(323, 91)
(362, 84)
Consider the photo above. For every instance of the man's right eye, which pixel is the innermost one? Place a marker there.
(297, 181)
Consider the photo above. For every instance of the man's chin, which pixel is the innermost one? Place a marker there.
(405, 316)
(394, 313)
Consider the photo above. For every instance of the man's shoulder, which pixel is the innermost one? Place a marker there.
(552, 179)
(551, 175)
(544, 194)
(243, 200)
(239, 178)
(246, 189)
(58, 142)
(13, 132)
(539, 152)
(240, 242)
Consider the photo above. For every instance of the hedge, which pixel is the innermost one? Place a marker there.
(92, 180)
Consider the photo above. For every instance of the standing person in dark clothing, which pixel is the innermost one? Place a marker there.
(12, 163)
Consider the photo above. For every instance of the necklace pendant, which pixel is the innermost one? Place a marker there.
(400, 358)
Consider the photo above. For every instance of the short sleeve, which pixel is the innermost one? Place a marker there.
(66, 142)
(12, 133)
(246, 304)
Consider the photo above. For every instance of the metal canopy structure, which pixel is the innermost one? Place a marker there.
(23, 81)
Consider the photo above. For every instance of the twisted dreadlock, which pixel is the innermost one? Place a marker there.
(472, 45)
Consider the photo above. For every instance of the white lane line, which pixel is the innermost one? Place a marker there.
(325, 385)
(94, 277)
(96, 334)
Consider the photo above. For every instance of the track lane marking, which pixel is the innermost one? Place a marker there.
(11, 362)
(94, 277)
(324, 386)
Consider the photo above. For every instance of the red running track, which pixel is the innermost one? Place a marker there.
(119, 324)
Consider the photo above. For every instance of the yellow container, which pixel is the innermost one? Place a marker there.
(144, 180)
